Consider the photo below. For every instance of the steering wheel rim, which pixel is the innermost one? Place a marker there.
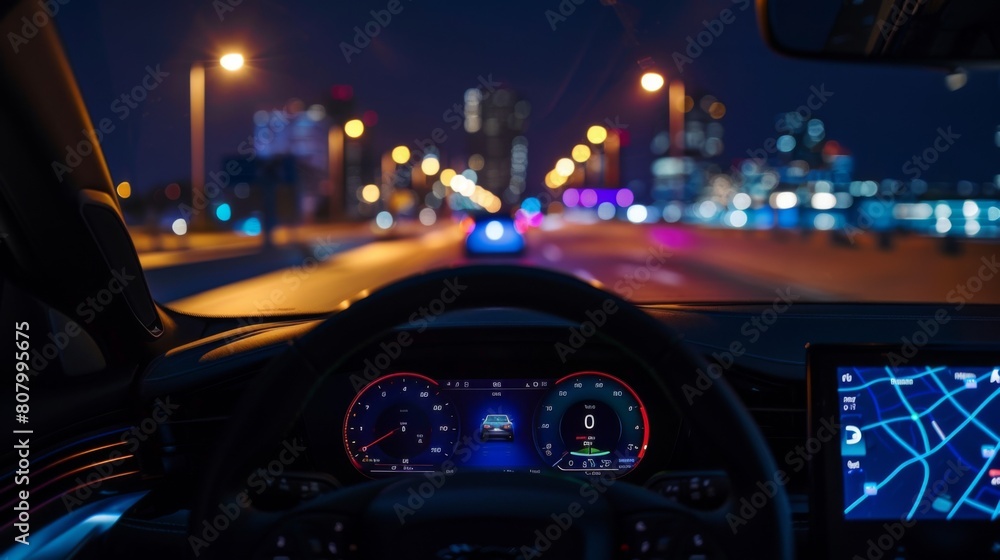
(286, 385)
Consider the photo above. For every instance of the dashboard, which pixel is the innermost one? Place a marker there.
(589, 422)
(515, 347)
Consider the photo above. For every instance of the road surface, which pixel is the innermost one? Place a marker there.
(645, 263)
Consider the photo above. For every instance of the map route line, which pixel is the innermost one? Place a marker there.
(961, 409)
(936, 448)
(926, 411)
(968, 490)
(923, 436)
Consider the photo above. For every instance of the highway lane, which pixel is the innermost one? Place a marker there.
(654, 263)
(624, 260)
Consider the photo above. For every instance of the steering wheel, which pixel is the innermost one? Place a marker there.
(462, 515)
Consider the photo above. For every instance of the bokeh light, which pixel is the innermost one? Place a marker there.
(354, 128)
(400, 154)
(597, 134)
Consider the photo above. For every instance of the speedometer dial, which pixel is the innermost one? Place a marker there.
(400, 423)
(592, 422)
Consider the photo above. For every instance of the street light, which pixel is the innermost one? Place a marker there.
(652, 81)
(597, 134)
(354, 128)
(401, 154)
(231, 62)
(565, 167)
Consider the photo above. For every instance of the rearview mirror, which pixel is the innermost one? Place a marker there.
(935, 32)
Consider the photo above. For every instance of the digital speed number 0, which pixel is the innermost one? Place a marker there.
(592, 422)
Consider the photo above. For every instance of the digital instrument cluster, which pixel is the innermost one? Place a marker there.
(589, 422)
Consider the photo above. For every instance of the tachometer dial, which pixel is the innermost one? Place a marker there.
(592, 422)
(400, 423)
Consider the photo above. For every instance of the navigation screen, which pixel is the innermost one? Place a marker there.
(920, 442)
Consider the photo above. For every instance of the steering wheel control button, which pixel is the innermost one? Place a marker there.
(313, 537)
(290, 489)
(703, 491)
(656, 535)
(648, 537)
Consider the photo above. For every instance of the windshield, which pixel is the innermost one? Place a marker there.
(279, 157)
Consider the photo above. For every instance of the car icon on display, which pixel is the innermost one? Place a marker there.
(497, 426)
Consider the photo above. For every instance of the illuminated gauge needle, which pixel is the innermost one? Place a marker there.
(561, 457)
(364, 448)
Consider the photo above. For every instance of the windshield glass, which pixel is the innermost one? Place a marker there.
(659, 149)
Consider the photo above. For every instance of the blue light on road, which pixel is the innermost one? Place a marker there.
(251, 226)
(223, 212)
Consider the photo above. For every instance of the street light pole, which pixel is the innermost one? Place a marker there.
(654, 81)
(675, 99)
(198, 141)
(335, 154)
(231, 62)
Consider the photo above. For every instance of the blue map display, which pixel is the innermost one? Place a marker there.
(920, 442)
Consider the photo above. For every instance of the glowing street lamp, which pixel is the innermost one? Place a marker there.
(580, 153)
(597, 134)
(652, 81)
(354, 128)
(565, 167)
(401, 154)
(430, 165)
(231, 62)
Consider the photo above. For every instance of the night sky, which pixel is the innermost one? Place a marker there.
(582, 72)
